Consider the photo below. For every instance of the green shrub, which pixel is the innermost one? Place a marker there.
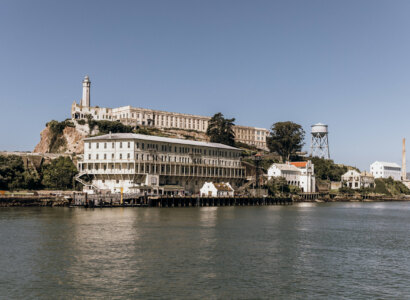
(59, 174)
(13, 176)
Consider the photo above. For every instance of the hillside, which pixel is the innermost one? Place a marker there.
(67, 136)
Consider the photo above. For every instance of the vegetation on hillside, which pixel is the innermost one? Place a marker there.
(389, 187)
(56, 175)
(14, 176)
(105, 126)
(286, 138)
(57, 140)
(220, 130)
(326, 169)
(59, 174)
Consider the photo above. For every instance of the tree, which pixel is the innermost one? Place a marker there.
(286, 138)
(277, 185)
(220, 130)
(11, 172)
(59, 174)
(326, 169)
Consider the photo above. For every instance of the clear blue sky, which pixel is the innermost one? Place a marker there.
(343, 63)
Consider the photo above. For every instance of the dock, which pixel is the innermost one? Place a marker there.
(115, 200)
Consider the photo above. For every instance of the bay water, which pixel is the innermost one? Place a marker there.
(304, 251)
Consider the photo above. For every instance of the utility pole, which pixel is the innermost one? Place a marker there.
(257, 159)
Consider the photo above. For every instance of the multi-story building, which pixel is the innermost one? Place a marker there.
(135, 162)
(380, 169)
(300, 174)
(134, 116)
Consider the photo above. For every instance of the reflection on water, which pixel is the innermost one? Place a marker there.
(340, 250)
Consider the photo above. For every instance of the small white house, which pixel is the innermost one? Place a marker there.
(355, 180)
(351, 179)
(223, 189)
(380, 169)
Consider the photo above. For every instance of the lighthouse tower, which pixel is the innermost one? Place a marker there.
(85, 100)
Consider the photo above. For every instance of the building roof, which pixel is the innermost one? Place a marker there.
(351, 172)
(223, 187)
(134, 136)
(387, 164)
(286, 167)
(299, 164)
(366, 174)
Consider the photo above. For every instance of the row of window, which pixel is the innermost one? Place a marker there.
(165, 148)
(153, 169)
(164, 158)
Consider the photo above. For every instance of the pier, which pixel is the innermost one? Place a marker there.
(133, 200)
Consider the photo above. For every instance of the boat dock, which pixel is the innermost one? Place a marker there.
(132, 200)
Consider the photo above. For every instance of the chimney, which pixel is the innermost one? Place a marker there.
(403, 161)
(110, 135)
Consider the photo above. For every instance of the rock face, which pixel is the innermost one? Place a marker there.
(71, 141)
(44, 145)
(74, 138)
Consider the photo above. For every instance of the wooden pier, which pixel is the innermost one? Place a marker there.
(114, 200)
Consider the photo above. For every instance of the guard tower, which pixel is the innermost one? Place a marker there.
(319, 145)
(85, 100)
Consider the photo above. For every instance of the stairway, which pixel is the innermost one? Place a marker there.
(246, 185)
(83, 182)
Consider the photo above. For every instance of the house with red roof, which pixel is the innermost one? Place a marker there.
(299, 173)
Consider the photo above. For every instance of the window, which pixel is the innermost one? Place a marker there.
(112, 145)
(112, 155)
(105, 156)
(120, 144)
(89, 156)
(120, 156)
(89, 145)
(96, 156)
(129, 145)
(98, 145)
(105, 145)
(128, 155)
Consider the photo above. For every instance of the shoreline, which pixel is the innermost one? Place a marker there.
(65, 200)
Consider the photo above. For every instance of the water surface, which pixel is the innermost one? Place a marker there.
(306, 251)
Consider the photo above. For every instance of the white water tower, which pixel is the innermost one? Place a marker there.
(319, 145)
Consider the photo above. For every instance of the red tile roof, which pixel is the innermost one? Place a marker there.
(299, 164)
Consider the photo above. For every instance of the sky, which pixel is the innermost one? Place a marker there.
(342, 63)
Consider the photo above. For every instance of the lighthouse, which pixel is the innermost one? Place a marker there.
(85, 100)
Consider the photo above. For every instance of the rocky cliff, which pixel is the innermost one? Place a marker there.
(69, 140)
(67, 136)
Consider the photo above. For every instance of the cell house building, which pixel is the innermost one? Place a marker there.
(135, 116)
(143, 163)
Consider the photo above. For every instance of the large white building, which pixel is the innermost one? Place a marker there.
(134, 116)
(136, 163)
(300, 174)
(380, 169)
